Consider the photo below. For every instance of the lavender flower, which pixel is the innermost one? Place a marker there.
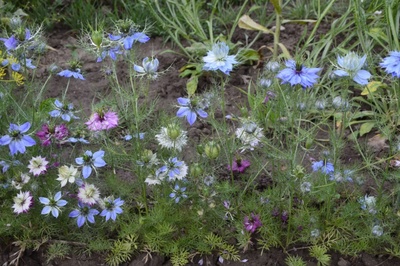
(190, 109)
(391, 64)
(91, 160)
(83, 213)
(16, 140)
(296, 73)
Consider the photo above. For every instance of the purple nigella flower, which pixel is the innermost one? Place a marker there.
(296, 73)
(239, 165)
(90, 160)
(218, 59)
(59, 132)
(190, 110)
(69, 73)
(112, 208)
(253, 223)
(392, 64)
(16, 140)
(83, 213)
(323, 166)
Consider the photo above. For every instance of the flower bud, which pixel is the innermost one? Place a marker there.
(196, 170)
(272, 66)
(212, 150)
(200, 149)
(173, 131)
(147, 155)
(97, 38)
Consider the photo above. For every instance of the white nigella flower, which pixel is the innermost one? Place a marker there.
(88, 194)
(218, 59)
(249, 134)
(38, 165)
(377, 230)
(149, 67)
(351, 65)
(305, 187)
(67, 174)
(20, 181)
(368, 203)
(148, 159)
(22, 202)
(172, 137)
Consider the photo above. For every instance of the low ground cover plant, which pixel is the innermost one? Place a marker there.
(309, 157)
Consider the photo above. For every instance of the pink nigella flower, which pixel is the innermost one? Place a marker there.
(251, 224)
(38, 165)
(59, 132)
(102, 121)
(239, 165)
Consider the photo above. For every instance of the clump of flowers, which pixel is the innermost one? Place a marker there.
(218, 59)
(38, 165)
(58, 132)
(53, 204)
(297, 74)
(391, 64)
(17, 141)
(172, 137)
(190, 109)
(90, 161)
(22, 202)
(101, 120)
(351, 66)
(253, 223)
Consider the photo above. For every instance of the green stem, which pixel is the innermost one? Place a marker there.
(277, 33)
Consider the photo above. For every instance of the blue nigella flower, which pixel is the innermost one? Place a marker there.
(323, 166)
(83, 213)
(111, 52)
(391, 64)
(63, 110)
(136, 37)
(69, 73)
(75, 140)
(149, 67)
(16, 140)
(178, 193)
(90, 160)
(190, 110)
(112, 208)
(351, 66)
(218, 59)
(296, 73)
(174, 168)
(10, 43)
(6, 165)
(53, 204)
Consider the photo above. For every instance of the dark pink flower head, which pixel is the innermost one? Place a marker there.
(251, 224)
(102, 121)
(59, 132)
(239, 165)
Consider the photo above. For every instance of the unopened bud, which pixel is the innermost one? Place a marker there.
(173, 131)
(97, 38)
(196, 170)
(212, 150)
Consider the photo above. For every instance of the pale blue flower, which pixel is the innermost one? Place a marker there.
(174, 169)
(16, 140)
(351, 66)
(69, 73)
(391, 64)
(297, 74)
(83, 213)
(112, 208)
(323, 166)
(65, 111)
(218, 59)
(178, 193)
(149, 67)
(136, 37)
(111, 52)
(90, 160)
(75, 140)
(53, 204)
(10, 43)
(190, 110)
